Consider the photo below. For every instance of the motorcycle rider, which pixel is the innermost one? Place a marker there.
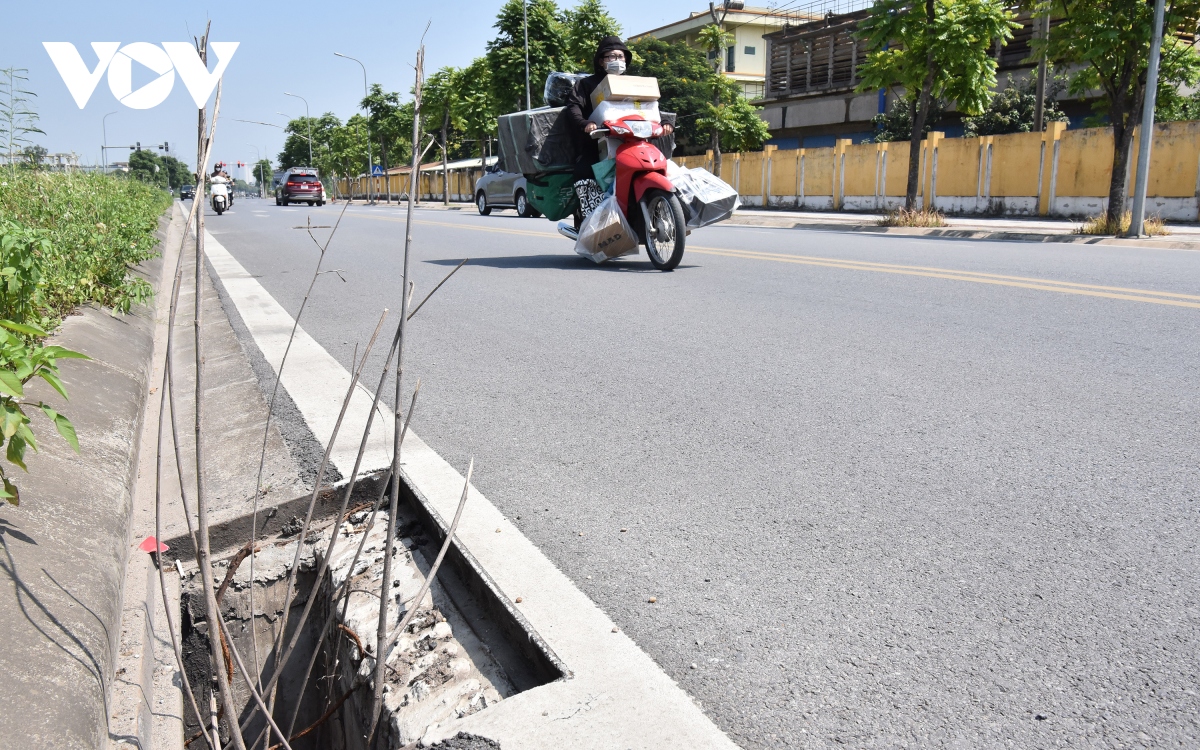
(612, 58)
(219, 177)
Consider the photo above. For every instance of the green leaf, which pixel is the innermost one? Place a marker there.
(26, 328)
(67, 430)
(11, 384)
(9, 491)
(58, 352)
(16, 451)
(13, 418)
(26, 434)
(54, 382)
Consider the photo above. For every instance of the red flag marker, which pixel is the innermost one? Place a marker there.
(150, 543)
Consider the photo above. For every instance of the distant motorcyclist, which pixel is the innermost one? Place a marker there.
(612, 58)
(219, 174)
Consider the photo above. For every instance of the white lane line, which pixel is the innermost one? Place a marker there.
(315, 380)
(618, 697)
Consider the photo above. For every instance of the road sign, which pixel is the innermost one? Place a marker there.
(377, 171)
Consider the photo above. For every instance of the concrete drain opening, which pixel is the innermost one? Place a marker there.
(466, 647)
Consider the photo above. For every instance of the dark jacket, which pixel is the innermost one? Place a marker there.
(579, 104)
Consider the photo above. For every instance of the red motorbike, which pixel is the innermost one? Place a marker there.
(641, 180)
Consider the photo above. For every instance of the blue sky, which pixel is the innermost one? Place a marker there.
(284, 47)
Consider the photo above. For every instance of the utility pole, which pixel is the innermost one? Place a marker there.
(1042, 31)
(525, 25)
(1147, 135)
(370, 156)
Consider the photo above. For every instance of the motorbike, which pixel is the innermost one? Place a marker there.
(644, 194)
(220, 197)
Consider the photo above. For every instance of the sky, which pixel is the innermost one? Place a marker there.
(284, 47)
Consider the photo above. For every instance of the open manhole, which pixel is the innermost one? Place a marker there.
(465, 648)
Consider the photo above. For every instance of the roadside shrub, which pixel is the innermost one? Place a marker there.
(915, 218)
(97, 228)
(1151, 225)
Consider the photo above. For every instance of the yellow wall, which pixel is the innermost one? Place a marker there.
(1078, 163)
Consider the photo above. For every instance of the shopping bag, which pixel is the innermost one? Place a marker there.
(606, 233)
(706, 199)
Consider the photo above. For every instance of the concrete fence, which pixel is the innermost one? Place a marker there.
(1056, 173)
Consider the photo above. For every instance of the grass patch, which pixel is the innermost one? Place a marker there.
(81, 235)
(1151, 225)
(916, 218)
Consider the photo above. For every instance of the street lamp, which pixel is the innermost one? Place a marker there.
(104, 147)
(258, 163)
(370, 157)
(525, 25)
(306, 117)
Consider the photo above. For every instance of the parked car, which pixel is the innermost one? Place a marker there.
(499, 189)
(187, 192)
(300, 184)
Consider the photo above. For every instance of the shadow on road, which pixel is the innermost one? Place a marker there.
(562, 262)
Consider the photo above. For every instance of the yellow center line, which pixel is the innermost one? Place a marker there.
(1173, 299)
(871, 265)
(1045, 286)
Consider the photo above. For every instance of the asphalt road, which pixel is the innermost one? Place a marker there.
(913, 504)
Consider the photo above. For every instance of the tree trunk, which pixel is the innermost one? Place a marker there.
(383, 157)
(920, 112)
(445, 172)
(1124, 118)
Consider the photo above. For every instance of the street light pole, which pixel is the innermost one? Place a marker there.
(258, 163)
(309, 119)
(104, 148)
(525, 25)
(1147, 136)
(370, 157)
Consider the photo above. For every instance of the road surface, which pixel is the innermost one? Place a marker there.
(887, 491)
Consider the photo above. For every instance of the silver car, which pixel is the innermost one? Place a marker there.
(498, 189)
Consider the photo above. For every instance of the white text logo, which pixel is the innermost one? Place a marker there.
(166, 61)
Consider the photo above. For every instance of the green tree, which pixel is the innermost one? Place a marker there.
(34, 156)
(936, 49)
(586, 24)
(295, 145)
(685, 82)
(1111, 40)
(438, 105)
(1011, 109)
(734, 120)
(178, 173)
(263, 174)
(476, 105)
(146, 167)
(712, 39)
(896, 123)
(17, 116)
(381, 107)
(506, 53)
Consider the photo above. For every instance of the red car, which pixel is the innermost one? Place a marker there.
(300, 186)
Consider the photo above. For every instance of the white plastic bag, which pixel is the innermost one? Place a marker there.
(606, 233)
(707, 198)
(616, 109)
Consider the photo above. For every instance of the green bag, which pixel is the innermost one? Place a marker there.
(552, 194)
(605, 172)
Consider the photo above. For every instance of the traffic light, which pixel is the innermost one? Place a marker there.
(139, 146)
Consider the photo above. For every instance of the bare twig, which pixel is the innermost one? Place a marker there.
(386, 583)
(203, 553)
(250, 686)
(439, 286)
(437, 563)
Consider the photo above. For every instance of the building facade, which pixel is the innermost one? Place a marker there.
(746, 60)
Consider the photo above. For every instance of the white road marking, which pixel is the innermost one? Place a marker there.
(618, 697)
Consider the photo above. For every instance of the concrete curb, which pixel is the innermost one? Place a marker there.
(959, 233)
(66, 546)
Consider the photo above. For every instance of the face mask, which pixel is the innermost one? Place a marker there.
(615, 67)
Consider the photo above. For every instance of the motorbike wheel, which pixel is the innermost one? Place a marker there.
(666, 230)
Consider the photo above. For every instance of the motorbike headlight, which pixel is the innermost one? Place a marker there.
(642, 128)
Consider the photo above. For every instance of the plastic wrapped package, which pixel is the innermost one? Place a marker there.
(606, 234)
(552, 194)
(535, 141)
(615, 110)
(706, 198)
(558, 87)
